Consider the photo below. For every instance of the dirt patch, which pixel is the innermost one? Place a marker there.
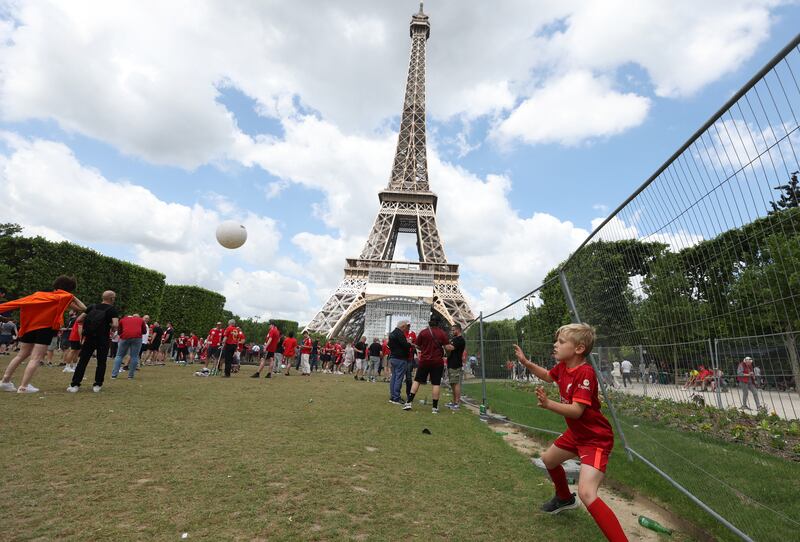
(371, 449)
(142, 481)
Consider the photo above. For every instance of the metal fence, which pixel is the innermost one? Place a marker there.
(697, 270)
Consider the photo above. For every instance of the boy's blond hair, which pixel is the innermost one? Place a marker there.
(579, 334)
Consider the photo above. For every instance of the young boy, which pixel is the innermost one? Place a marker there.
(588, 435)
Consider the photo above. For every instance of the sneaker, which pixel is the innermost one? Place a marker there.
(255, 375)
(28, 389)
(113, 377)
(65, 369)
(434, 410)
(392, 401)
(407, 406)
(73, 389)
(7, 386)
(96, 388)
(455, 407)
(450, 404)
(269, 375)
(556, 505)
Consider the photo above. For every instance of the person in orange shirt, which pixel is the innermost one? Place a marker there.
(41, 316)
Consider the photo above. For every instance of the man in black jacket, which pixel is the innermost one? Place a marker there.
(399, 348)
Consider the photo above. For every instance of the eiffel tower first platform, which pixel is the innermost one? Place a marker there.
(377, 290)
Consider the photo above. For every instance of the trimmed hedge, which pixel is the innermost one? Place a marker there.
(29, 264)
(36, 262)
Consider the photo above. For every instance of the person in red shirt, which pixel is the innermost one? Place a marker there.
(230, 338)
(588, 435)
(338, 357)
(213, 341)
(182, 344)
(289, 350)
(41, 315)
(237, 356)
(270, 346)
(305, 355)
(75, 337)
(433, 345)
(326, 357)
(131, 330)
(194, 344)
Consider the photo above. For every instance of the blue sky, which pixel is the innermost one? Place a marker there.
(542, 116)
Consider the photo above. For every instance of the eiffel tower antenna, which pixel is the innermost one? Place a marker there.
(377, 288)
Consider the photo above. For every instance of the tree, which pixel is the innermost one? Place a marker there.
(790, 197)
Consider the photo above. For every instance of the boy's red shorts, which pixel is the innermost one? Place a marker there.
(594, 456)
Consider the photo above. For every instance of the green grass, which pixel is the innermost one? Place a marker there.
(246, 459)
(753, 475)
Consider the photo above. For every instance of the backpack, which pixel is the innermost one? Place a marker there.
(95, 321)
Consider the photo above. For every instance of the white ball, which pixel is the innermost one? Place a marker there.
(231, 234)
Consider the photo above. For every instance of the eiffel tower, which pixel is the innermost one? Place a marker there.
(376, 288)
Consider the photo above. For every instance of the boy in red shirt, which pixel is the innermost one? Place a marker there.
(588, 435)
(289, 350)
(305, 355)
(231, 340)
(270, 346)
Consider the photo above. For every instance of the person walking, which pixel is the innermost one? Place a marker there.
(98, 322)
(411, 364)
(433, 345)
(746, 377)
(8, 332)
(398, 357)
(131, 330)
(626, 367)
(455, 366)
(270, 346)
(41, 315)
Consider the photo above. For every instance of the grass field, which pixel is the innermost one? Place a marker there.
(324, 458)
(731, 478)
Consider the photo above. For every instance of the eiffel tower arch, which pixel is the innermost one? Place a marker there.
(377, 289)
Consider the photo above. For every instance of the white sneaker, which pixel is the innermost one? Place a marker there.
(28, 389)
(407, 406)
(70, 369)
(96, 389)
(73, 389)
(66, 369)
(7, 386)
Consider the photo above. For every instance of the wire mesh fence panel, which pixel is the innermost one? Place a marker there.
(701, 267)
(693, 286)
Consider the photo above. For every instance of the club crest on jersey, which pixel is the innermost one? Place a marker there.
(585, 384)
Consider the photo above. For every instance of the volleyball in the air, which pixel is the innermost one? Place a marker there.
(231, 234)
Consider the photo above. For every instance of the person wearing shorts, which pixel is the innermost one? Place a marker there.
(270, 346)
(455, 366)
(433, 344)
(41, 316)
(588, 436)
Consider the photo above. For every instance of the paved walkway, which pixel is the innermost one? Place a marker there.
(785, 404)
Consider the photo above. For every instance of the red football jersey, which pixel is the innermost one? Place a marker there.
(579, 385)
(430, 342)
(74, 334)
(231, 335)
(214, 336)
(275, 336)
(289, 346)
(306, 349)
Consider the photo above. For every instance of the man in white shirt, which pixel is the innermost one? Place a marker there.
(626, 373)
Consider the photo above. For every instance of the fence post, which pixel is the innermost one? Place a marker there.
(573, 311)
(717, 379)
(483, 363)
(644, 375)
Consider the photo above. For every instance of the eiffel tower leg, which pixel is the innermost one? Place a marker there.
(340, 307)
(451, 304)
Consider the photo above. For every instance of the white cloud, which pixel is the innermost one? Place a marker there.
(572, 109)
(148, 81)
(51, 194)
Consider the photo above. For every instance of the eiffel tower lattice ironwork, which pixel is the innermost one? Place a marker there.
(407, 205)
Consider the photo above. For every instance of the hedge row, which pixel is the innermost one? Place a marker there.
(30, 264)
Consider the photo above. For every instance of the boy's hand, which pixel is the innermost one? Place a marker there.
(520, 356)
(541, 395)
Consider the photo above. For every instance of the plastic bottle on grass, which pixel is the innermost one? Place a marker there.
(653, 525)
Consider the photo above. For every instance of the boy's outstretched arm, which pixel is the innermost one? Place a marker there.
(572, 410)
(540, 372)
